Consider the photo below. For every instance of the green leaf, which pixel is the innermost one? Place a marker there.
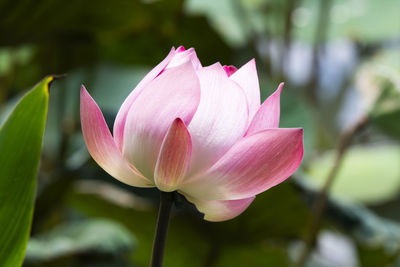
(222, 16)
(260, 254)
(379, 84)
(369, 20)
(386, 111)
(367, 174)
(94, 235)
(238, 21)
(20, 147)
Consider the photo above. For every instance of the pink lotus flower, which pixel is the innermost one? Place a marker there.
(198, 130)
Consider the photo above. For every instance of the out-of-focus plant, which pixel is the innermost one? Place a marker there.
(80, 237)
(379, 84)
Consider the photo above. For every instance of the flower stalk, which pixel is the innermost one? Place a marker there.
(164, 213)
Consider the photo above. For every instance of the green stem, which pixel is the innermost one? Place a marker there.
(320, 202)
(166, 201)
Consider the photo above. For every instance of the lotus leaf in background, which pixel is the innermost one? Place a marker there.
(97, 236)
(363, 168)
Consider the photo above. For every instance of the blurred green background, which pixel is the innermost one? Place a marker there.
(340, 61)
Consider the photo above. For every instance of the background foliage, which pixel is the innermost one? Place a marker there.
(340, 61)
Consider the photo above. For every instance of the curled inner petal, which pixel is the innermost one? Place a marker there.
(230, 69)
(182, 56)
(174, 158)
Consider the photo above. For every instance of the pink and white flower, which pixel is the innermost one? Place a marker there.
(197, 130)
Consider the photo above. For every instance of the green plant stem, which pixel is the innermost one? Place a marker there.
(164, 213)
(321, 31)
(320, 202)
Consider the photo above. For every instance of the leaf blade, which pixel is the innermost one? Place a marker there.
(20, 147)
